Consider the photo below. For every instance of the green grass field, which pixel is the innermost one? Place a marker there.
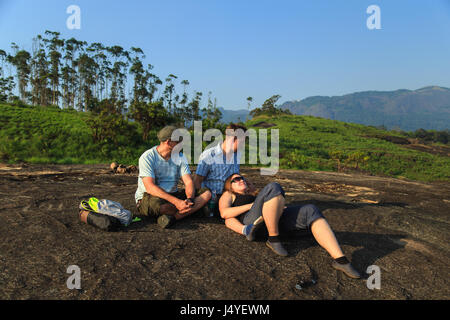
(50, 135)
(311, 143)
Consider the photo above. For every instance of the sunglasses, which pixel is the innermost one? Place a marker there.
(237, 179)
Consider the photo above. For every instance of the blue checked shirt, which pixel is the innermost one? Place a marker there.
(165, 172)
(214, 167)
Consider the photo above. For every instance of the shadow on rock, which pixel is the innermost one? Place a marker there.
(371, 247)
(190, 223)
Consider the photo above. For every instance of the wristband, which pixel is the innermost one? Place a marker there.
(191, 199)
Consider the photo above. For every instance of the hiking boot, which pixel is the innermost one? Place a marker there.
(278, 248)
(347, 269)
(251, 235)
(166, 221)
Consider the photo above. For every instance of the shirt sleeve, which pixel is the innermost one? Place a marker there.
(146, 167)
(184, 166)
(203, 168)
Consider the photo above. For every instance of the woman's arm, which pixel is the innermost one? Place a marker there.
(235, 225)
(227, 211)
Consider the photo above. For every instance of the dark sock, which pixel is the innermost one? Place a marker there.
(342, 260)
(274, 239)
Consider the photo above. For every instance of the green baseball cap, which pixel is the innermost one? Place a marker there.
(166, 133)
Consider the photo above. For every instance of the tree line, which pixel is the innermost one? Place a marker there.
(92, 77)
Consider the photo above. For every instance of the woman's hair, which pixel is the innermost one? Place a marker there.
(227, 185)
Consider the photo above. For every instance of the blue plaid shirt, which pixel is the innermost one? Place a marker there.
(214, 167)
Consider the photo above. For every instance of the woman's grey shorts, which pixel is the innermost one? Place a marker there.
(293, 217)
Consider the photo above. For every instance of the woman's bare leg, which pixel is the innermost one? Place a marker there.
(271, 212)
(325, 237)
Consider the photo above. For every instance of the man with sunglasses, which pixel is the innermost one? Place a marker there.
(157, 194)
(218, 163)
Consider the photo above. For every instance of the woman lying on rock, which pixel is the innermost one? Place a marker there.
(245, 212)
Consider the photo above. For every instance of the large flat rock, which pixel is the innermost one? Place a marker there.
(400, 226)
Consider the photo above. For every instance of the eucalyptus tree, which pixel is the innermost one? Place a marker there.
(141, 76)
(102, 64)
(3, 56)
(169, 92)
(21, 61)
(153, 83)
(6, 88)
(54, 44)
(249, 102)
(70, 76)
(6, 82)
(79, 61)
(87, 68)
(185, 84)
(68, 73)
(118, 76)
(193, 108)
(211, 114)
(184, 110)
(39, 67)
(177, 111)
(208, 110)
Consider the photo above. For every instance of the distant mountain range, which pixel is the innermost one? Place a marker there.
(233, 115)
(427, 108)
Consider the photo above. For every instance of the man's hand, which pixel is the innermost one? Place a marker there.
(190, 202)
(182, 205)
(188, 209)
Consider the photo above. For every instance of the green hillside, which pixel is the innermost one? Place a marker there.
(51, 135)
(311, 143)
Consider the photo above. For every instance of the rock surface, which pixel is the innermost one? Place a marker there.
(400, 226)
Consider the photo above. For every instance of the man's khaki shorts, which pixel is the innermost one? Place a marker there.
(149, 206)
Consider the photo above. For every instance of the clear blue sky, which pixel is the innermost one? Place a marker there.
(258, 48)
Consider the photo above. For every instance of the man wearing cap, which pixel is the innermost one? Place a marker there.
(157, 194)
